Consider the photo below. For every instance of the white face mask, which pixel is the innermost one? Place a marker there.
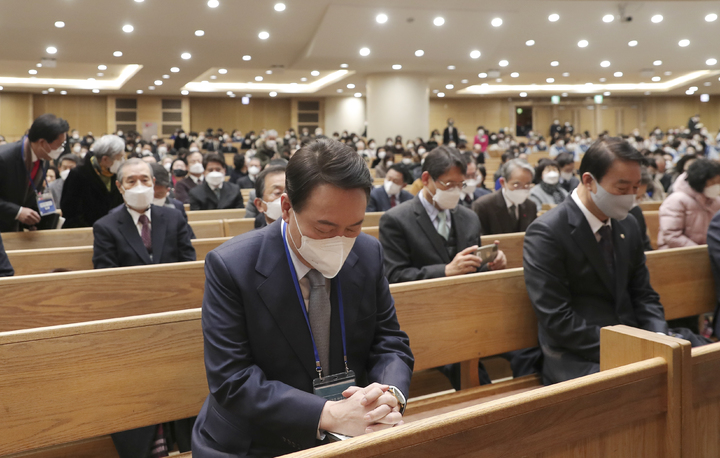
(381, 154)
(407, 161)
(392, 189)
(470, 187)
(517, 196)
(712, 191)
(372, 145)
(55, 153)
(327, 256)
(162, 150)
(451, 144)
(116, 165)
(139, 197)
(182, 135)
(76, 148)
(159, 202)
(214, 179)
(274, 209)
(270, 144)
(389, 143)
(612, 205)
(167, 166)
(196, 168)
(551, 177)
(253, 170)
(421, 151)
(566, 175)
(194, 149)
(447, 200)
(64, 174)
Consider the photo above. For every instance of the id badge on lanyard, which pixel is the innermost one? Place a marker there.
(46, 204)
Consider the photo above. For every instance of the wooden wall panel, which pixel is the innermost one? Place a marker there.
(84, 113)
(493, 113)
(231, 114)
(16, 114)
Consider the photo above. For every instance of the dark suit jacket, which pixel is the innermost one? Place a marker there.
(174, 203)
(258, 353)
(495, 217)
(183, 188)
(260, 221)
(713, 242)
(454, 137)
(6, 270)
(117, 242)
(203, 198)
(245, 182)
(468, 200)
(572, 293)
(380, 201)
(413, 248)
(15, 190)
(570, 184)
(85, 199)
(640, 218)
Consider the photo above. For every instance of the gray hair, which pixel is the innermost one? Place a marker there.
(271, 133)
(133, 161)
(108, 145)
(510, 166)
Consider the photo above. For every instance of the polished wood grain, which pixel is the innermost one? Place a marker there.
(235, 227)
(205, 215)
(652, 221)
(650, 205)
(706, 400)
(372, 219)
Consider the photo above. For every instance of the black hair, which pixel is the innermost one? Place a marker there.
(162, 177)
(564, 159)
(213, 157)
(260, 180)
(700, 172)
(541, 166)
(599, 157)
(506, 156)
(324, 161)
(468, 157)
(483, 171)
(239, 161)
(442, 159)
(47, 127)
(680, 166)
(404, 170)
(55, 169)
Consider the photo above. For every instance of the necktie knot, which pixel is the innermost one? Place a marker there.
(316, 279)
(143, 220)
(605, 233)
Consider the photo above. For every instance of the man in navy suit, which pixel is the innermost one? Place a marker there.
(275, 298)
(390, 194)
(214, 193)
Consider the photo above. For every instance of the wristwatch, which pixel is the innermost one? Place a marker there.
(399, 396)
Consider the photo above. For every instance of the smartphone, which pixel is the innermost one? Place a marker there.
(487, 253)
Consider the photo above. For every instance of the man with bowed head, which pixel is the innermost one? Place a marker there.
(391, 193)
(215, 193)
(292, 304)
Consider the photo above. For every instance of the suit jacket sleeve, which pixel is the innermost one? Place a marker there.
(6, 270)
(185, 246)
(8, 210)
(398, 264)
(372, 204)
(105, 253)
(181, 192)
(547, 283)
(483, 216)
(238, 201)
(235, 381)
(195, 202)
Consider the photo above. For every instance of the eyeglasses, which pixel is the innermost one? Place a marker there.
(517, 185)
(451, 185)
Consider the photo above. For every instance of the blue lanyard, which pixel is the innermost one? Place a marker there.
(338, 288)
(22, 154)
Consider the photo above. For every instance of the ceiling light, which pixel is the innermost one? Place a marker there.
(419, 53)
(229, 92)
(91, 79)
(553, 17)
(139, 1)
(127, 28)
(523, 94)
(303, 79)
(268, 72)
(152, 88)
(38, 65)
(32, 72)
(550, 80)
(668, 73)
(59, 24)
(61, 92)
(166, 76)
(693, 88)
(554, 63)
(438, 21)
(185, 92)
(606, 93)
(441, 94)
(213, 77)
(657, 63)
(381, 18)
(102, 67)
(158, 82)
(222, 71)
(273, 94)
(396, 67)
(656, 78)
(605, 63)
(315, 73)
(199, 33)
(246, 57)
(608, 18)
(503, 63)
(684, 43)
(464, 81)
(451, 67)
(117, 54)
(530, 43)
(51, 50)
(497, 22)
(258, 78)
(186, 55)
(139, 91)
(449, 86)
(566, 74)
(602, 80)
(174, 69)
(632, 43)
(712, 17)
(435, 91)
(339, 91)
(482, 75)
(657, 18)
(96, 91)
(582, 43)
(711, 61)
(263, 35)
(498, 80)
(52, 89)
(344, 65)
(44, 92)
(707, 83)
(704, 98)
(475, 54)
(232, 96)
(618, 74)
(514, 74)
(365, 52)
(213, 3)
(351, 86)
(279, 7)
(101, 74)
(358, 94)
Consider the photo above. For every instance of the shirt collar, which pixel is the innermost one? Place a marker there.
(196, 179)
(300, 269)
(136, 216)
(595, 223)
(431, 210)
(218, 187)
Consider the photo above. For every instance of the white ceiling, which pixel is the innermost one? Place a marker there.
(323, 34)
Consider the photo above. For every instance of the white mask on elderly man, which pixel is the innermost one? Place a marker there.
(274, 209)
(196, 168)
(253, 170)
(139, 197)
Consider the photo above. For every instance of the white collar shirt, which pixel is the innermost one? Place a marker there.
(136, 216)
(594, 221)
(433, 212)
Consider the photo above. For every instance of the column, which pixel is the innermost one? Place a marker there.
(397, 104)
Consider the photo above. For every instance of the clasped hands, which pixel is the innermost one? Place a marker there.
(363, 410)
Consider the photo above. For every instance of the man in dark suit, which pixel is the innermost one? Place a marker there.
(584, 264)
(194, 178)
(269, 186)
(390, 194)
(259, 289)
(450, 134)
(254, 168)
(215, 193)
(509, 209)
(473, 181)
(6, 270)
(568, 180)
(22, 171)
(431, 236)
(90, 191)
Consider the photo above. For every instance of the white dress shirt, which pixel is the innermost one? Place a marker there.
(595, 223)
(433, 212)
(197, 180)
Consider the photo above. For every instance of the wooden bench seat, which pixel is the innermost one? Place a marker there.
(205, 215)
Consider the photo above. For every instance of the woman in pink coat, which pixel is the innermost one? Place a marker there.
(686, 213)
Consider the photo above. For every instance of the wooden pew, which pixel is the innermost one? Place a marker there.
(510, 244)
(652, 221)
(373, 230)
(235, 227)
(650, 205)
(205, 215)
(372, 219)
(705, 410)
(245, 194)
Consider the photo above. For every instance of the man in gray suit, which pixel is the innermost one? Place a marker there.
(584, 264)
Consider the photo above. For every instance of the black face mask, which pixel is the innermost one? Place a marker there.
(179, 173)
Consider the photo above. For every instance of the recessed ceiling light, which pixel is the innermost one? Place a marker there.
(229, 92)
(344, 65)
(712, 17)
(185, 92)
(127, 28)
(213, 3)
(258, 78)
(550, 80)
(485, 84)
(435, 91)
(263, 35)
(656, 78)
(602, 80)
(166, 76)
(152, 88)
(441, 94)
(279, 7)
(503, 63)
(32, 72)
(464, 81)
(158, 82)
(451, 67)
(530, 43)
(52, 89)
(51, 50)
(139, 91)
(566, 74)
(606, 93)
(139, 1)
(523, 94)
(608, 18)
(186, 55)
(117, 54)
(174, 69)
(657, 18)
(100, 74)
(232, 96)
(268, 72)
(419, 53)
(498, 80)
(618, 74)
(554, 63)
(381, 18)
(38, 65)
(514, 74)
(564, 94)
(358, 94)
(497, 22)
(273, 94)
(44, 92)
(553, 17)
(96, 91)
(475, 54)
(199, 33)
(482, 75)
(351, 86)
(59, 24)
(246, 57)
(668, 73)
(632, 43)
(213, 77)
(339, 91)
(315, 73)
(684, 43)
(397, 67)
(102, 67)
(438, 21)
(449, 86)
(605, 63)
(364, 52)
(91, 79)
(711, 61)
(582, 44)
(303, 79)
(61, 92)
(222, 71)
(704, 98)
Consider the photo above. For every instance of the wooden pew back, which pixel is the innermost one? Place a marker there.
(706, 400)
(372, 219)
(235, 227)
(652, 221)
(205, 215)
(650, 205)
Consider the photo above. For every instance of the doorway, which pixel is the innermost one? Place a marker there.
(523, 121)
